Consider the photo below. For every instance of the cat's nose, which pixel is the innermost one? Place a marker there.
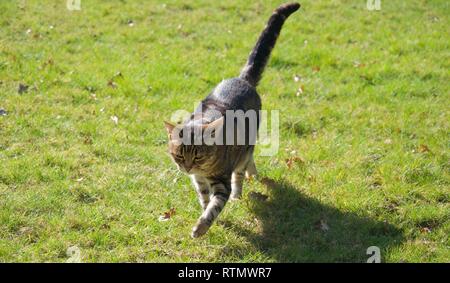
(188, 167)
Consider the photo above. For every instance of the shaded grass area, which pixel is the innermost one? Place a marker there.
(296, 228)
(369, 130)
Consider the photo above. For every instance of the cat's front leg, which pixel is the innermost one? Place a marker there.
(220, 195)
(203, 189)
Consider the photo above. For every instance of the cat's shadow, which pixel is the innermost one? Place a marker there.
(296, 228)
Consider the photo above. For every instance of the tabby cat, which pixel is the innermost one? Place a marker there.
(218, 170)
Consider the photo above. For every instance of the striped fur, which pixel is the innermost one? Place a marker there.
(260, 54)
(218, 171)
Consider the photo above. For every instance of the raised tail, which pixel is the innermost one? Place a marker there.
(259, 56)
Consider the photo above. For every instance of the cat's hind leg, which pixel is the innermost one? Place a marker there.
(237, 179)
(250, 171)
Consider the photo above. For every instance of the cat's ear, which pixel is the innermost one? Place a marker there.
(169, 127)
(217, 124)
(213, 127)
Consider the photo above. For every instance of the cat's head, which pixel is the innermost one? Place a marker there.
(188, 148)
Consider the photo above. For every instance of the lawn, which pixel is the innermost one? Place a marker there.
(364, 117)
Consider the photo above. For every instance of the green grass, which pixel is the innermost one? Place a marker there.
(372, 126)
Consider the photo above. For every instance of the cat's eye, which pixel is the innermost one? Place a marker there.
(178, 156)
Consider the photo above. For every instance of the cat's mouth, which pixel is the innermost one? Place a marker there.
(186, 170)
(190, 171)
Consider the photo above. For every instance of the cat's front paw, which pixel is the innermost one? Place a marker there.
(199, 229)
(235, 196)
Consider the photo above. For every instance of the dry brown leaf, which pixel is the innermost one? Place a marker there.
(316, 69)
(269, 183)
(376, 184)
(300, 90)
(112, 84)
(423, 148)
(425, 230)
(22, 88)
(292, 160)
(167, 215)
(312, 178)
(358, 64)
(322, 225)
(257, 196)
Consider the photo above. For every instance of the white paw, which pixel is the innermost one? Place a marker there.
(234, 197)
(199, 230)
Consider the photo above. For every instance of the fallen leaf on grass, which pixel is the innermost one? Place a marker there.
(423, 148)
(322, 225)
(269, 183)
(87, 140)
(25, 230)
(316, 69)
(117, 75)
(22, 88)
(358, 64)
(167, 215)
(112, 84)
(257, 196)
(376, 184)
(90, 89)
(74, 254)
(292, 160)
(49, 62)
(300, 90)
(425, 230)
(115, 119)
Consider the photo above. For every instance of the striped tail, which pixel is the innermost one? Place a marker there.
(259, 56)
